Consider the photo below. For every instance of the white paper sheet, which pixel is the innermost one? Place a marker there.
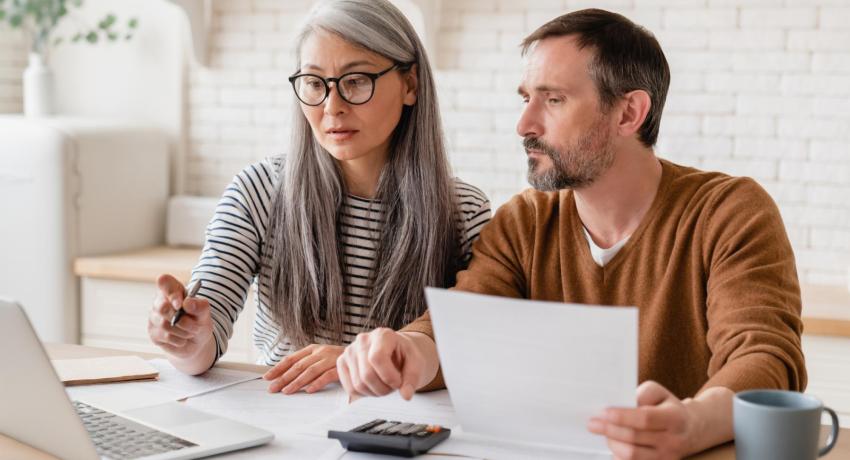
(534, 372)
(434, 408)
(172, 385)
(252, 403)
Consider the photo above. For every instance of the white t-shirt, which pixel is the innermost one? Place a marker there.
(603, 256)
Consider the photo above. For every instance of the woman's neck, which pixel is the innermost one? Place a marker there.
(362, 174)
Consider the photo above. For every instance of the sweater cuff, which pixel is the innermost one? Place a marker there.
(423, 325)
(750, 372)
(437, 384)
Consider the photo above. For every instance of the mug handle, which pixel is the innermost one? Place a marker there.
(833, 437)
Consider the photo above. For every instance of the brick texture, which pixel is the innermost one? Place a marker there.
(760, 88)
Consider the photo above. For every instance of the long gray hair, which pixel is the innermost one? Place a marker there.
(419, 239)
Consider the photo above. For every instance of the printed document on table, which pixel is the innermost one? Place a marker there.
(434, 408)
(172, 385)
(534, 372)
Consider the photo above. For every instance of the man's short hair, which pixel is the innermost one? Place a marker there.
(627, 58)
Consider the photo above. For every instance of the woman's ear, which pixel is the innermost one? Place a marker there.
(411, 84)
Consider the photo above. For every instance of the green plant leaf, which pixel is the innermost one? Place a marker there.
(2, 15)
(91, 37)
(133, 23)
(16, 20)
(112, 36)
(77, 37)
(107, 22)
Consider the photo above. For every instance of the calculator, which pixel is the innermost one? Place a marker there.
(392, 437)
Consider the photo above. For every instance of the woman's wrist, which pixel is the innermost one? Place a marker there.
(198, 362)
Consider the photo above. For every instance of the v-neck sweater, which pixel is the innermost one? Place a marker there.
(710, 269)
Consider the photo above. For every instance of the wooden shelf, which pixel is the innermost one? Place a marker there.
(142, 265)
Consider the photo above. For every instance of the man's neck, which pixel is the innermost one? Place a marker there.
(613, 206)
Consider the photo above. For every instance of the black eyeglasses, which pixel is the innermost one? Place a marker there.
(354, 87)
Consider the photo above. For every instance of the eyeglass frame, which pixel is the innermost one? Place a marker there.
(335, 80)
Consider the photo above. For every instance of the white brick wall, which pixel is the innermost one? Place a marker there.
(760, 88)
(13, 60)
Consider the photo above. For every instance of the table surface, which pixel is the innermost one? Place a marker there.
(11, 449)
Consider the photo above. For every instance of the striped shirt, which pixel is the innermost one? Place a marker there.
(231, 258)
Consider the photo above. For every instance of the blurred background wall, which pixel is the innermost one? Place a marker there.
(760, 88)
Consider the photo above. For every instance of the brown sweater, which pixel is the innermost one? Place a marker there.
(710, 269)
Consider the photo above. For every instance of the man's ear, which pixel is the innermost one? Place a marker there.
(411, 84)
(635, 107)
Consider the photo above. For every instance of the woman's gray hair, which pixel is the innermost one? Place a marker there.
(419, 238)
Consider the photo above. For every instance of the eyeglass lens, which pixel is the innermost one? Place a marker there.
(355, 88)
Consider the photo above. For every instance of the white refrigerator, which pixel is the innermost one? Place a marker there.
(73, 187)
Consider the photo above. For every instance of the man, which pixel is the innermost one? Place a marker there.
(704, 256)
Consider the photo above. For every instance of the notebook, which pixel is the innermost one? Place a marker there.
(108, 369)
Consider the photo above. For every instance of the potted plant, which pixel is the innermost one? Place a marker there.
(38, 19)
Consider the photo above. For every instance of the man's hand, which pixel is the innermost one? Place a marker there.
(382, 361)
(664, 427)
(310, 369)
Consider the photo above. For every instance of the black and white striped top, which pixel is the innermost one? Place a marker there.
(231, 258)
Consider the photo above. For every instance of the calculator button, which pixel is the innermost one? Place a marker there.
(369, 425)
(398, 428)
(380, 428)
(413, 429)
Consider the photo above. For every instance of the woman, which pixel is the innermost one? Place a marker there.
(342, 234)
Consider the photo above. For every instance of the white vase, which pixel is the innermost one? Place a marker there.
(38, 88)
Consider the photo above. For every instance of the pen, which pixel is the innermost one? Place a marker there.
(193, 290)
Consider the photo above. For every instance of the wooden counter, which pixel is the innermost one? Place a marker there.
(826, 309)
(142, 265)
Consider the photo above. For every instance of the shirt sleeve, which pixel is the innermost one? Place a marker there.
(753, 294)
(230, 259)
(473, 215)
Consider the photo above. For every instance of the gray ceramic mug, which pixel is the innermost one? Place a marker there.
(780, 425)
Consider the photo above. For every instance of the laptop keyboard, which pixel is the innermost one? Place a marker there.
(118, 438)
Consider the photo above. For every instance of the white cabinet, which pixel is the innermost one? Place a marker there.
(117, 293)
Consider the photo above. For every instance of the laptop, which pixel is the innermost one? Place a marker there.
(36, 411)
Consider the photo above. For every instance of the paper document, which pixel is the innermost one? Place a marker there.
(108, 369)
(172, 385)
(433, 408)
(534, 372)
(252, 403)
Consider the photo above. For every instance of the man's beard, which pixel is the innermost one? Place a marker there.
(576, 167)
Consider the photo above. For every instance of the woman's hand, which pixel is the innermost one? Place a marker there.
(310, 369)
(189, 344)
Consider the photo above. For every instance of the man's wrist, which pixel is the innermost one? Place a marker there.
(427, 349)
(710, 419)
